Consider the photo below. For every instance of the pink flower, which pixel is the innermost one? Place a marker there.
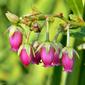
(36, 59)
(47, 56)
(25, 57)
(16, 40)
(56, 59)
(67, 62)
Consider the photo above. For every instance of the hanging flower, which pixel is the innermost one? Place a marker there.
(47, 54)
(56, 59)
(25, 55)
(67, 61)
(16, 40)
(36, 58)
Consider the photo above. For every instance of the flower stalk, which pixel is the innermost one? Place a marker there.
(68, 36)
(47, 30)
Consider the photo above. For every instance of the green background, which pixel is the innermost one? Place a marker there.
(11, 70)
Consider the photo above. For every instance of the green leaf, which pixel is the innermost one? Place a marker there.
(81, 46)
(78, 33)
(76, 6)
(33, 37)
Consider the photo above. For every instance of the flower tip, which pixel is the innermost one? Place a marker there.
(68, 70)
(13, 49)
(58, 64)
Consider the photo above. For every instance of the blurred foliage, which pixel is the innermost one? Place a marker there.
(11, 70)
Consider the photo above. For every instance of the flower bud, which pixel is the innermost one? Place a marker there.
(36, 58)
(12, 17)
(35, 27)
(67, 61)
(15, 40)
(56, 59)
(47, 54)
(25, 55)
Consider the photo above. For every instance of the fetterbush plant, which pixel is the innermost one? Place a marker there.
(50, 53)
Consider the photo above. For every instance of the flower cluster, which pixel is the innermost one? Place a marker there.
(47, 52)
